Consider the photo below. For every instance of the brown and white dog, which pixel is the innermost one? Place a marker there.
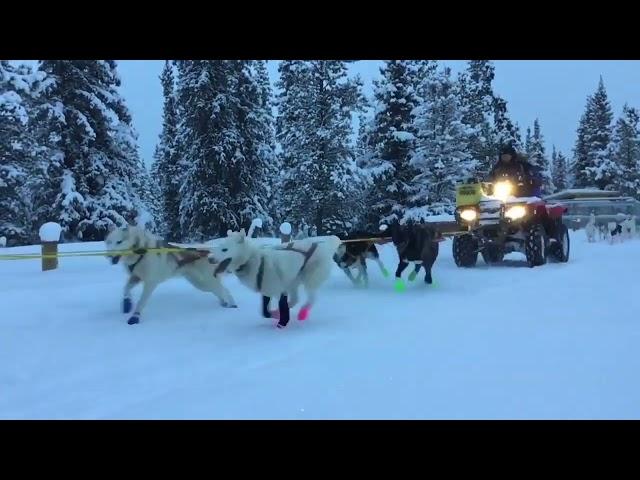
(354, 254)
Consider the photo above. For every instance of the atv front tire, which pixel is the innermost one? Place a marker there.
(465, 250)
(559, 250)
(536, 246)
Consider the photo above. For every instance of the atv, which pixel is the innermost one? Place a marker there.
(495, 223)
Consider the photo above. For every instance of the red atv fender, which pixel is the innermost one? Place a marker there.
(556, 210)
(553, 211)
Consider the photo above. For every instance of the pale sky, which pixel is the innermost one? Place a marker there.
(555, 91)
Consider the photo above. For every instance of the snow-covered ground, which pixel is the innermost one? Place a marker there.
(559, 341)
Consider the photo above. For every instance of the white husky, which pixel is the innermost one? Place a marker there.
(278, 271)
(152, 268)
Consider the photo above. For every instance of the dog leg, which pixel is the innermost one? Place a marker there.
(144, 298)
(385, 272)
(225, 297)
(212, 284)
(292, 299)
(265, 307)
(416, 269)
(362, 267)
(401, 266)
(428, 279)
(347, 272)
(127, 304)
(283, 308)
(303, 314)
(399, 285)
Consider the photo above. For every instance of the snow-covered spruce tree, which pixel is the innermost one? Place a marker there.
(226, 141)
(504, 130)
(166, 165)
(441, 158)
(321, 180)
(527, 143)
(209, 145)
(94, 152)
(626, 152)
(16, 153)
(257, 168)
(26, 148)
(536, 154)
(155, 192)
(559, 172)
(477, 104)
(392, 140)
(593, 163)
(269, 180)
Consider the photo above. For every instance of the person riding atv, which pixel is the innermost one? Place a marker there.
(515, 167)
(508, 214)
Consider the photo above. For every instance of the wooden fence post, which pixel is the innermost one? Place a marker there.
(49, 238)
(285, 232)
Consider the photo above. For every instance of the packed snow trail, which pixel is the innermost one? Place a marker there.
(558, 341)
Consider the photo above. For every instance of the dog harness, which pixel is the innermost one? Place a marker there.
(185, 257)
(138, 251)
(307, 255)
(259, 275)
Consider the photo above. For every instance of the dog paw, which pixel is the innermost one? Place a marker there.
(412, 276)
(303, 314)
(275, 314)
(133, 320)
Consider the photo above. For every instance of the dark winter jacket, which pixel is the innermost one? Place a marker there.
(518, 170)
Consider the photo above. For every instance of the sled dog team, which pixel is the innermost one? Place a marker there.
(275, 272)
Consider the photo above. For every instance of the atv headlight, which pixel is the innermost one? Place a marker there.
(468, 214)
(502, 190)
(516, 212)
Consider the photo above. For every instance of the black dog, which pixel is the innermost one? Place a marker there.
(356, 253)
(415, 243)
